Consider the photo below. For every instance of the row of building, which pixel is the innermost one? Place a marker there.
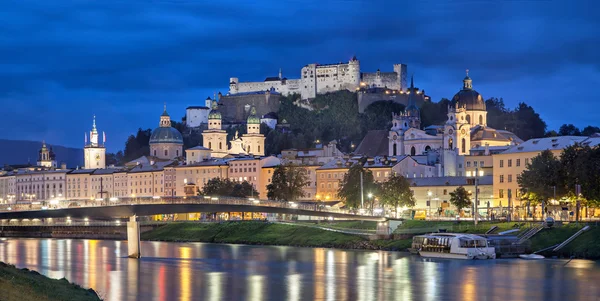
(437, 160)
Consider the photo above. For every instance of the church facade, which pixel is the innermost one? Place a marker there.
(465, 129)
(215, 137)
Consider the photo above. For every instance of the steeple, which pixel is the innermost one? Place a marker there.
(165, 119)
(280, 77)
(94, 133)
(412, 113)
(467, 82)
(94, 125)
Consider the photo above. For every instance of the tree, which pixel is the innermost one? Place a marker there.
(530, 124)
(287, 183)
(226, 187)
(568, 130)
(579, 166)
(590, 130)
(460, 198)
(396, 192)
(349, 189)
(374, 115)
(541, 174)
(434, 113)
(138, 145)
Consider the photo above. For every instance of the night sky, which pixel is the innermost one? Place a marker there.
(63, 61)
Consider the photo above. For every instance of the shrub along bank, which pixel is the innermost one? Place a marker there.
(25, 285)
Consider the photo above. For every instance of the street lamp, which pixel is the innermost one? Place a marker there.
(476, 195)
(429, 193)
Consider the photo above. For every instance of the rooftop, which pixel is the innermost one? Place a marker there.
(541, 144)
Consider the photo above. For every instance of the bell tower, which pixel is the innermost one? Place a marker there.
(215, 137)
(254, 141)
(46, 157)
(94, 152)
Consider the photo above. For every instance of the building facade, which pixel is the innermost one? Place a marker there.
(509, 164)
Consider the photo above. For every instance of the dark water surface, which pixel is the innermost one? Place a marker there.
(200, 271)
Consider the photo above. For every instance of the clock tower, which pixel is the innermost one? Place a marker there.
(94, 152)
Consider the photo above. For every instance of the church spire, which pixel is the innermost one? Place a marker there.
(280, 77)
(467, 82)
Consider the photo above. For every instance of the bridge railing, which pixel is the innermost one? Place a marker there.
(172, 200)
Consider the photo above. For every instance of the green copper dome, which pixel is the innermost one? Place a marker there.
(253, 119)
(166, 135)
(214, 113)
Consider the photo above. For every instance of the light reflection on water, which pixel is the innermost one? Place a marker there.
(197, 271)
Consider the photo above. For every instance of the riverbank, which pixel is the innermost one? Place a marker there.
(24, 285)
(263, 233)
(587, 246)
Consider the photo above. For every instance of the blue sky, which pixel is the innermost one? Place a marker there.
(63, 61)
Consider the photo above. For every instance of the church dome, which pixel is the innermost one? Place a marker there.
(253, 119)
(469, 98)
(214, 113)
(166, 135)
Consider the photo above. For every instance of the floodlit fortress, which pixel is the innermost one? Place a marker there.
(322, 78)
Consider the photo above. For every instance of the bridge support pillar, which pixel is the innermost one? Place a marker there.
(383, 228)
(133, 238)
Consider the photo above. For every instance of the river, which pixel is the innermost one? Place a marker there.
(201, 271)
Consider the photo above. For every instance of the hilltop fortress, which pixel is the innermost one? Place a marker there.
(319, 79)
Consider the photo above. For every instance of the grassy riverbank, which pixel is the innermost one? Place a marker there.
(263, 233)
(25, 285)
(587, 245)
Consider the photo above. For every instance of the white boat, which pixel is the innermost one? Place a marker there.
(453, 245)
(531, 256)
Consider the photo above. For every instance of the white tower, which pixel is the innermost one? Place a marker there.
(254, 142)
(215, 137)
(94, 152)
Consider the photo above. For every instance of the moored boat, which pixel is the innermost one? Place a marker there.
(453, 245)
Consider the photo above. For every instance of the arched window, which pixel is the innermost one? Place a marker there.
(394, 149)
(166, 152)
(177, 153)
(468, 118)
(220, 145)
(450, 146)
(464, 145)
(427, 148)
(248, 151)
(413, 151)
(210, 145)
(259, 148)
(154, 153)
(481, 119)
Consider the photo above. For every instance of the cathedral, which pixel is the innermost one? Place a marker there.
(465, 128)
(215, 137)
(166, 142)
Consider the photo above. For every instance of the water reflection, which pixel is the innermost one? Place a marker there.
(196, 271)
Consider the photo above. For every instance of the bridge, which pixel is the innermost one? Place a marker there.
(132, 208)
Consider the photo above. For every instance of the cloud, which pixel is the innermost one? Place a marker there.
(126, 57)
